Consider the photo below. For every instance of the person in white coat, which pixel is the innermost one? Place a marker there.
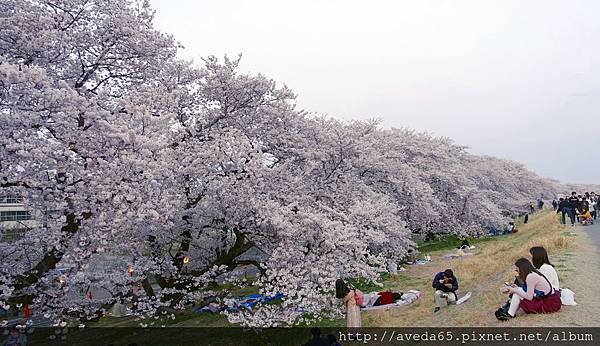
(539, 258)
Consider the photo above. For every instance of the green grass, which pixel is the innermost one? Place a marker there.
(185, 318)
(233, 289)
(188, 318)
(451, 242)
(322, 322)
(367, 285)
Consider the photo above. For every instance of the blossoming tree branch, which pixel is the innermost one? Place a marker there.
(175, 169)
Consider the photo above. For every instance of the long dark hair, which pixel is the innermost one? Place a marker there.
(525, 268)
(539, 256)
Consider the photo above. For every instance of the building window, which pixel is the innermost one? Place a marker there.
(11, 200)
(18, 215)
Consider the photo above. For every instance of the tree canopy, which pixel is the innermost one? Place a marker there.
(171, 171)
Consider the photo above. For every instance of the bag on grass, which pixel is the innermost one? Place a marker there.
(567, 297)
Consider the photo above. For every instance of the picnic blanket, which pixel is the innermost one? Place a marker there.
(246, 302)
(407, 298)
(452, 256)
(459, 253)
(420, 261)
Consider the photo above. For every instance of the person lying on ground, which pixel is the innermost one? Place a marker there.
(381, 298)
(536, 295)
(387, 297)
(445, 285)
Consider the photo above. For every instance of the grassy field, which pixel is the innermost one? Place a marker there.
(483, 274)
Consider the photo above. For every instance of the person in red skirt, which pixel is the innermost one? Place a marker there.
(535, 297)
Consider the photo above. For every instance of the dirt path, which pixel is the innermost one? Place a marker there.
(593, 232)
(575, 252)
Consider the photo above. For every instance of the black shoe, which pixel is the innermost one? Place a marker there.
(436, 309)
(503, 316)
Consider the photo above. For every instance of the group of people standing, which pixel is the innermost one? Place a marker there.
(580, 208)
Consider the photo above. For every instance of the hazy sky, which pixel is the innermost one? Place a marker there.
(507, 78)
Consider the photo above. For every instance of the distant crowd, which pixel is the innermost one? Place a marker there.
(579, 208)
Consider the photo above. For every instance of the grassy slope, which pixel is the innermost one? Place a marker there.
(484, 274)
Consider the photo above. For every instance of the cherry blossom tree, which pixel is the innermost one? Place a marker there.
(76, 141)
(146, 168)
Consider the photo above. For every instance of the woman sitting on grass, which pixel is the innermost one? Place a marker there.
(539, 258)
(536, 296)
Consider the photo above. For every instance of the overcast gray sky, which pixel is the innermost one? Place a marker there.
(506, 78)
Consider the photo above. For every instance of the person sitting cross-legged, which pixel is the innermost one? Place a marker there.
(445, 285)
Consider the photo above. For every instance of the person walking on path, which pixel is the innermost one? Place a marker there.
(573, 205)
(592, 207)
(565, 208)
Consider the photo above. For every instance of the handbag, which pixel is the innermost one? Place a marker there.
(567, 297)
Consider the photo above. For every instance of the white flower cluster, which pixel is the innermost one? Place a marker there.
(149, 178)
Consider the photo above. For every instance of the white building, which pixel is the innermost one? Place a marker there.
(14, 217)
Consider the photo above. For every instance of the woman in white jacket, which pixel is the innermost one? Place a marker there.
(539, 258)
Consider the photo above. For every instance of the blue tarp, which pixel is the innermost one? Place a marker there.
(247, 302)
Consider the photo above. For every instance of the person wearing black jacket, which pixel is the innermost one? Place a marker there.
(573, 207)
(445, 285)
(565, 208)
